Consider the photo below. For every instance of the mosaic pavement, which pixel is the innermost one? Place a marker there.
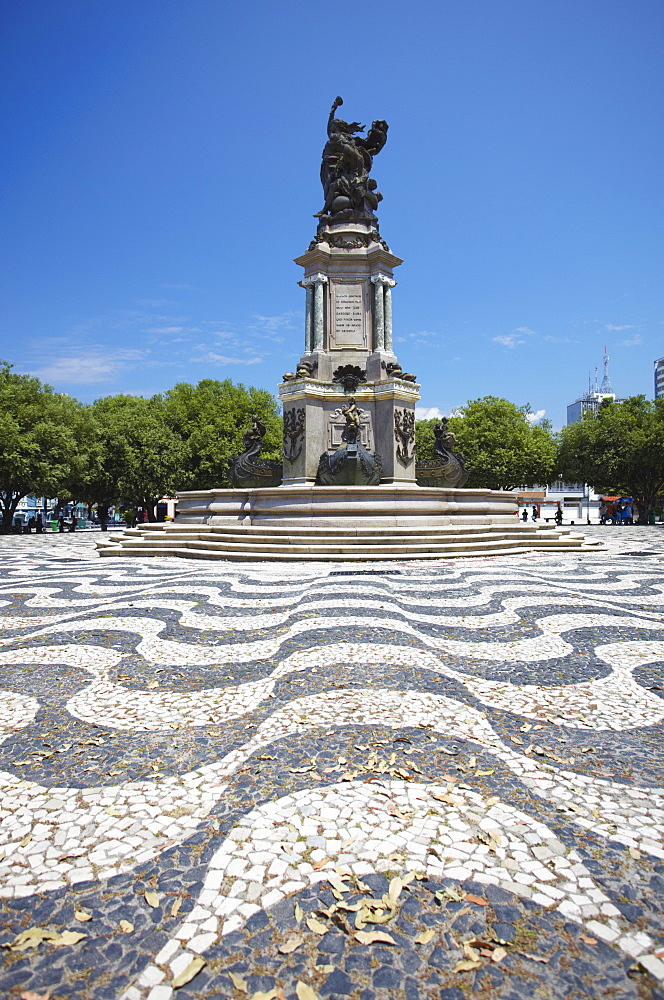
(284, 783)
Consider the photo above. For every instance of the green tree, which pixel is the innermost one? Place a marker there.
(211, 418)
(136, 457)
(42, 440)
(424, 439)
(501, 447)
(620, 450)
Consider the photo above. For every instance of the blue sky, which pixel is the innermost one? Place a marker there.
(161, 171)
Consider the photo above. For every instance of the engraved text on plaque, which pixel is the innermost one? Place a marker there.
(349, 315)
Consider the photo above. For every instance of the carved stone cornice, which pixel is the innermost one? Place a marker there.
(357, 242)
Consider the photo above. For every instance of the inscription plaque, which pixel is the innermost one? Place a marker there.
(349, 315)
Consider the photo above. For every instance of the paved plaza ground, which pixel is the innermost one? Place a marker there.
(408, 780)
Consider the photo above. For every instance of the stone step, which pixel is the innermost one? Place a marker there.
(466, 529)
(233, 555)
(266, 546)
(292, 535)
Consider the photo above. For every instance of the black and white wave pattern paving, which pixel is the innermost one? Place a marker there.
(214, 763)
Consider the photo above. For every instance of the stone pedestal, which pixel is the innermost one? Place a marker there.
(348, 277)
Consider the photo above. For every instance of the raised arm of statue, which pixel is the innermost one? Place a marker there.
(338, 101)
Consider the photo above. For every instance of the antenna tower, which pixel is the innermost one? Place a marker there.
(606, 381)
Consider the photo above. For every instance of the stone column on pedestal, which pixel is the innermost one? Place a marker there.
(379, 313)
(308, 285)
(389, 285)
(319, 280)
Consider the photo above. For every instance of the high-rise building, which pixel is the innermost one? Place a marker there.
(659, 378)
(595, 395)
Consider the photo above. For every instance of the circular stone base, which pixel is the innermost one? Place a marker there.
(305, 523)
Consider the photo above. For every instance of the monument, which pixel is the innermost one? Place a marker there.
(348, 281)
(349, 487)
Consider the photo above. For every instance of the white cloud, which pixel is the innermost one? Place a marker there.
(220, 359)
(165, 329)
(272, 324)
(633, 341)
(87, 367)
(513, 338)
(509, 340)
(428, 413)
(534, 417)
(626, 326)
(418, 337)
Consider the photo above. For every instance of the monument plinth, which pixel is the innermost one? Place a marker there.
(348, 487)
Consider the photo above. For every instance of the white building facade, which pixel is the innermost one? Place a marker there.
(659, 379)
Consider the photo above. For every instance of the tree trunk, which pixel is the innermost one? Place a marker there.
(8, 510)
(102, 515)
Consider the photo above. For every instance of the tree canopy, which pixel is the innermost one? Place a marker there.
(43, 438)
(501, 447)
(123, 449)
(135, 458)
(620, 451)
(210, 419)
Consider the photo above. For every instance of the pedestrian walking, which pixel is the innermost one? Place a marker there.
(524, 516)
(61, 523)
(39, 524)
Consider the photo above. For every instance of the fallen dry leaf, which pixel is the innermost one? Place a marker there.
(175, 908)
(317, 865)
(299, 913)
(479, 900)
(634, 853)
(290, 945)
(498, 954)
(238, 982)
(151, 898)
(31, 995)
(466, 965)
(455, 895)
(82, 915)
(535, 958)
(588, 939)
(261, 995)
(443, 797)
(395, 889)
(372, 937)
(188, 974)
(316, 926)
(125, 927)
(31, 938)
(34, 936)
(425, 936)
(305, 992)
